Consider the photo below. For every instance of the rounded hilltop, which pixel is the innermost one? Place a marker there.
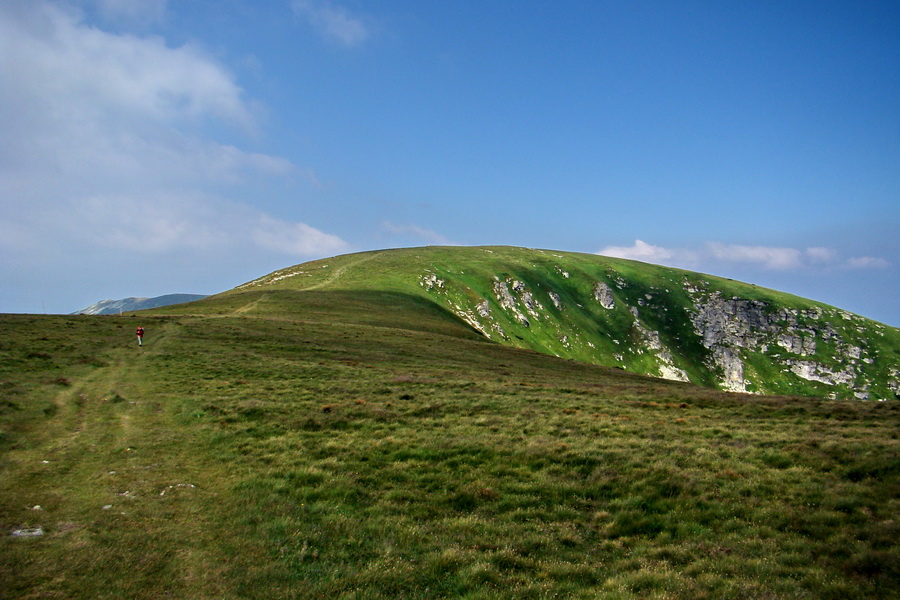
(640, 317)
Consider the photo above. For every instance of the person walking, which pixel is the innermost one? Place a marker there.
(140, 336)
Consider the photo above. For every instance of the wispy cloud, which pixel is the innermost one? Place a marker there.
(821, 255)
(130, 11)
(295, 239)
(643, 251)
(414, 231)
(868, 262)
(185, 223)
(333, 22)
(108, 141)
(68, 83)
(765, 257)
(144, 225)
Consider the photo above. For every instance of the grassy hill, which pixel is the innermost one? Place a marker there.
(351, 440)
(643, 318)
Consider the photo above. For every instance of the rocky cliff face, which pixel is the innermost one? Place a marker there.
(734, 329)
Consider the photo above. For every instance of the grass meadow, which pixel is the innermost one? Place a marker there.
(336, 445)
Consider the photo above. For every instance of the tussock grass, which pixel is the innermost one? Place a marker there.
(300, 450)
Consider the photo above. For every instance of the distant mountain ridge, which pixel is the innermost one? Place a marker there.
(114, 307)
(643, 318)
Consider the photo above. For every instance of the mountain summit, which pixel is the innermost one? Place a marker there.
(114, 307)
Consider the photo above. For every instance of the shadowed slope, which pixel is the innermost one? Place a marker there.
(364, 307)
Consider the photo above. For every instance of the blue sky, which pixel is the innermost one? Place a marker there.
(161, 146)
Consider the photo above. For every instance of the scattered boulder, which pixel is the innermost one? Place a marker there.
(557, 301)
(603, 294)
(27, 532)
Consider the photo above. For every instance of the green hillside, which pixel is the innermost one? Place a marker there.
(356, 439)
(643, 318)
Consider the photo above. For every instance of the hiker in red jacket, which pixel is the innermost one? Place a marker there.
(140, 335)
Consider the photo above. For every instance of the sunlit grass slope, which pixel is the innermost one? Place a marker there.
(659, 321)
(278, 443)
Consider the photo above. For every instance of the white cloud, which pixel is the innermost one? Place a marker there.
(295, 239)
(70, 71)
(867, 262)
(150, 225)
(82, 103)
(334, 22)
(108, 146)
(821, 255)
(183, 224)
(712, 254)
(674, 257)
(428, 235)
(639, 251)
(765, 256)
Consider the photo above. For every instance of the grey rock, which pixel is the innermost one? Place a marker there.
(30, 532)
(557, 301)
(603, 294)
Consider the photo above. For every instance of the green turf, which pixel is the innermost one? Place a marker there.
(346, 444)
